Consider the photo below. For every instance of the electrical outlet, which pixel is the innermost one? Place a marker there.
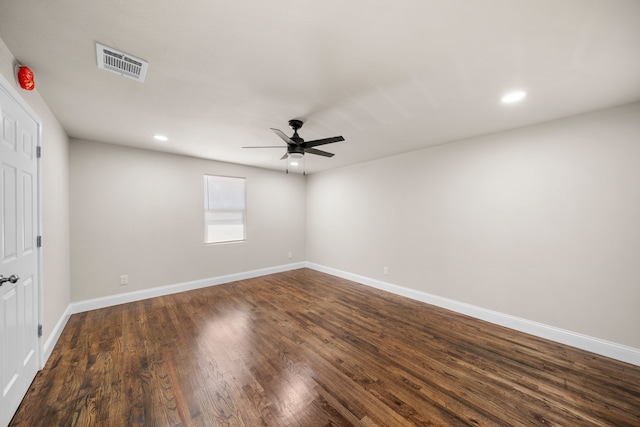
(385, 270)
(124, 279)
(290, 255)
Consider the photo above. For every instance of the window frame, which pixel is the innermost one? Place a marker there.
(242, 212)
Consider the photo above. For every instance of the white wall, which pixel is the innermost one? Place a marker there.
(141, 213)
(55, 201)
(542, 222)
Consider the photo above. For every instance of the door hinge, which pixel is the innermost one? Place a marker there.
(38, 151)
(39, 241)
(39, 331)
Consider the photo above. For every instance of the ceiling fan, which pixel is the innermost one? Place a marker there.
(297, 147)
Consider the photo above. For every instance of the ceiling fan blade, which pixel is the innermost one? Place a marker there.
(267, 146)
(318, 152)
(284, 137)
(317, 142)
(285, 156)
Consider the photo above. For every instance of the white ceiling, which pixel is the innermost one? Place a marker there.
(390, 76)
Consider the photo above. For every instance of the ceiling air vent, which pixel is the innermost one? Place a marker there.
(113, 60)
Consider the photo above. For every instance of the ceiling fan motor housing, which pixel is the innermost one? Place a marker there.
(295, 150)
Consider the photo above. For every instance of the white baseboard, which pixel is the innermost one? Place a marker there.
(51, 341)
(573, 339)
(111, 300)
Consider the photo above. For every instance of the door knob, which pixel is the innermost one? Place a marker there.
(13, 279)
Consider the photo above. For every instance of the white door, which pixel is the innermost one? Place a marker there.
(19, 306)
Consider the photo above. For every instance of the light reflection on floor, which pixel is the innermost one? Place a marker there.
(230, 338)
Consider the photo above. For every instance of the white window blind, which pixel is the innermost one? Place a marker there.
(224, 209)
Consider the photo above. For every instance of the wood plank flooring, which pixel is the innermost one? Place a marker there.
(302, 348)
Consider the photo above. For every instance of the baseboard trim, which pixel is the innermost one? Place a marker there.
(51, 341)
(584, 342)
(111, 300)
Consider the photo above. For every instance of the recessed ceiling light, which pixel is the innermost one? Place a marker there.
(160, 138)
(514, 96)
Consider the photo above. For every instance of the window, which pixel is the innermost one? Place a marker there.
(224, 209)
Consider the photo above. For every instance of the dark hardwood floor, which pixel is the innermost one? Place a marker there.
(302, 348)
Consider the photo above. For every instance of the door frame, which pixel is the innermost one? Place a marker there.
(10, 90)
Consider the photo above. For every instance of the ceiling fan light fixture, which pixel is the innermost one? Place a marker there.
(295, 162)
